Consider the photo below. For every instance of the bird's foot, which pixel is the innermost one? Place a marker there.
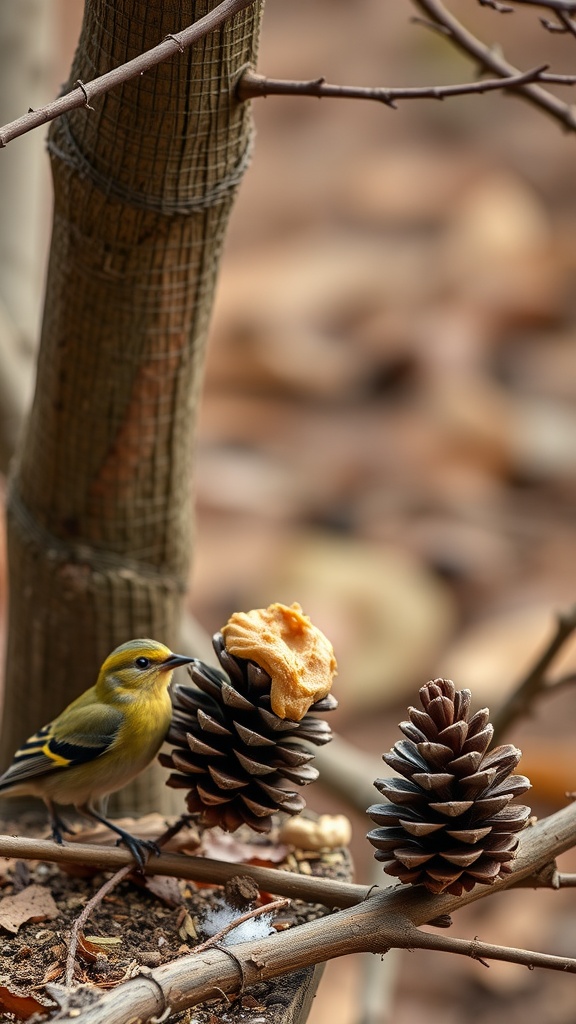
(58, 827)
(139, 848)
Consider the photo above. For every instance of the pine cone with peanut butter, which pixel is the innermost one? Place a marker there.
(236, 732)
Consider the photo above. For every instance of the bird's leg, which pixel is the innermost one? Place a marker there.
(136, 846)
(58, 824)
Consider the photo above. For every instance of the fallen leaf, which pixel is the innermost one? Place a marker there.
(222, 846)
(53, 972)
(163, 887)
(89, 946)
(187, 928)
(103, 942)
(34, 903)
(21, 1006)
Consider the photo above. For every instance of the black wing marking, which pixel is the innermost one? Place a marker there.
(59, 745)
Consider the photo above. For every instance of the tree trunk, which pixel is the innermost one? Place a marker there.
(99, 513)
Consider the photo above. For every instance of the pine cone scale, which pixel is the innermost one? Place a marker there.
(420, 828)
(225, 781)
(252, 738)
(437, 782)
(466, 764)
(209, 724)
(452, 808)
(470, 835)
(412, 858)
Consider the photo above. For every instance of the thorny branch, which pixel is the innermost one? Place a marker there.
(86, 92)
(489, 59)
(563, 6)
(253, 85)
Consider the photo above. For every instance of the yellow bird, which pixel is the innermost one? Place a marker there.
(102, 740)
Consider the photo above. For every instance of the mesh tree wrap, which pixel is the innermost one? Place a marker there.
(99, 511)
(448, 824)
(237, 759)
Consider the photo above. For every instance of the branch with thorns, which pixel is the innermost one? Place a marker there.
(441, 20)
(252, 85)
(558, 6)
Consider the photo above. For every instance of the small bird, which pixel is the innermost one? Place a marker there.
(102, 740)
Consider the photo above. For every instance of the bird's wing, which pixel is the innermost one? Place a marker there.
(78, 736)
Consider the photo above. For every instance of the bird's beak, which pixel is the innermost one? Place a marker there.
(177, 659)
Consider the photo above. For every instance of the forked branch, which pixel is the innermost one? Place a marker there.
(390, 918)
(489, 59)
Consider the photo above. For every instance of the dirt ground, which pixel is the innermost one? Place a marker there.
(141, 923)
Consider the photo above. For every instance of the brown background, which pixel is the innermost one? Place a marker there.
(388, 431)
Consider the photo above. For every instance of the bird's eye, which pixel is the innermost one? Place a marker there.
(142, 663)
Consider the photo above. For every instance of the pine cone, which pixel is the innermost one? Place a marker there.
(448, 825)
(232, 752)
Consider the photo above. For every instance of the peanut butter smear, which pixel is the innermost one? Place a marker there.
(296, 655)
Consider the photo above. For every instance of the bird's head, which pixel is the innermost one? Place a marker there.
(137, 666)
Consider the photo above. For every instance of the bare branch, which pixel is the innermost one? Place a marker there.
(197, 869)
(565, 880)
(551, 78)
(567, 23)
(86, 92)
(553, 26)
(253, 85)
(390, 918)
(496, 6)
(490, 60)
(534, 684)
(483, 951)
(565, 6)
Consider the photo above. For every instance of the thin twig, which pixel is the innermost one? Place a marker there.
(534, 684)
(490, 59)
(567, 6)
(551, 78)
(103, 891)
(83, 917)
(560, 683)
(253, 85)
(267, 908)
(86, 92)
(567, 23)
(495, 5)
(483, 951)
